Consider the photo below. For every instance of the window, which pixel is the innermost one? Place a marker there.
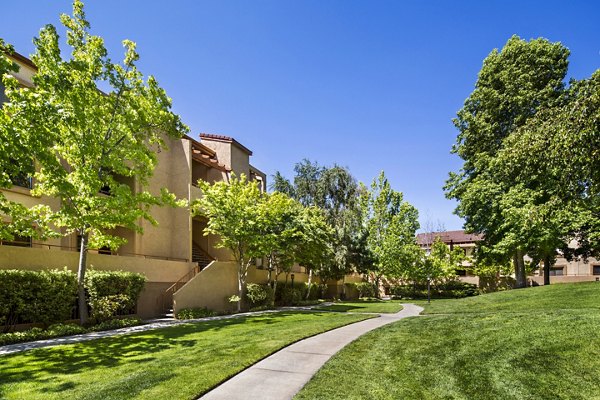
(461, 272)
(21, 174)
(596, 269)
(2, 95)
(19, 241)
(22, 180)
(557, 271)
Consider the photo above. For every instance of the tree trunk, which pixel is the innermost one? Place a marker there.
(519, 265)
(240, 289)
(83, 312)
(269, 278)
(547, 265)
(344, 287)
(309, 283)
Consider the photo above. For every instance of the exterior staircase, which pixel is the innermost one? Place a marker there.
(202, 259)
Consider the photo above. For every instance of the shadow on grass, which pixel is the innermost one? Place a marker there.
(45, 364)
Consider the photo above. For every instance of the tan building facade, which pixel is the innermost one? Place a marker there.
(176, 248)
(563, 271)
(465, 241)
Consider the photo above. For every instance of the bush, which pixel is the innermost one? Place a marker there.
(259, 296)
(194, 313)
(113, 293)
(36, 296)
(315, 291)
(365, 289)
(291, 296)
(116, 324)
(445, 290)
(106, 307)
(65, 330)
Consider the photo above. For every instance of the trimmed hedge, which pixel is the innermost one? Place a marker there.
(49, 297)
(445, 290)
(112, 293)
(36, 296)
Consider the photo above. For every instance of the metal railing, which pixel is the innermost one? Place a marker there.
(100, 251)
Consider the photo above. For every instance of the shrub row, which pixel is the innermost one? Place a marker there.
(444, 290)
(36, 296)
(49, 297)
(288, 295)
(195, 313)
(263, 296)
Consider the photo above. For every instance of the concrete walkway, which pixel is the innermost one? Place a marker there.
(149, 325)
(281, 375)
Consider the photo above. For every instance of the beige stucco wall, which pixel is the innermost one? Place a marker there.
(216, 283)
(25, 73)
(172, 236)
(565, 279)
(231, 155)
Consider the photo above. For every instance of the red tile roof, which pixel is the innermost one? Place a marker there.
(223, 138)
(205, 155)
(449, 237)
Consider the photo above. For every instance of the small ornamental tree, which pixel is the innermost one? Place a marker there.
(442, 262)
(233, 212)
(314, 249)
(83, 138)
(279, 222)
(392, 224)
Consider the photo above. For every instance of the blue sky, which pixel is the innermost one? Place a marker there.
(371, 85)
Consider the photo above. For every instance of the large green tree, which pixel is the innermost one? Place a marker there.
(336, 192)
(83, 139)
(512, 86)
(555, 199)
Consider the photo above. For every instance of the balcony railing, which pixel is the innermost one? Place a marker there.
(99, 251)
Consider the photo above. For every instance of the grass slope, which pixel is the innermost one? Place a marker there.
(366, 306)
(179, 362)
(537, 343)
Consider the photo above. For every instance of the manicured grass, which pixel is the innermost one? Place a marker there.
(537, 343)
(366, 306)
(179, 362)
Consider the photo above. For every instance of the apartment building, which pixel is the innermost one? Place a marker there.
(169, 254)
(563, 270)
(465, 241)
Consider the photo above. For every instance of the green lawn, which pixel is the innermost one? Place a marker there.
(537, 343)
(179, 362)
(366, 306)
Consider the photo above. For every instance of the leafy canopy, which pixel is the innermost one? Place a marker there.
(83, 139)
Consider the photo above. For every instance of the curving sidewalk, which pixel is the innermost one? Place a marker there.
(281, 375)
(149, 325)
